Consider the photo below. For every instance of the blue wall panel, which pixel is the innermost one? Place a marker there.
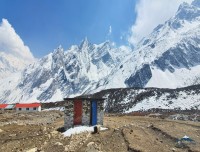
(94, 113)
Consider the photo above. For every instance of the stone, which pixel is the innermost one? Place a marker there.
(45, 129)
(116, 129)
(66, 148)
(12, 135)
(150, 126)
(58, 143)
(49, 136)
(32, 150)
(45, 143)
(91, 147)
(54, 133)
(90, 143)
(1, 130)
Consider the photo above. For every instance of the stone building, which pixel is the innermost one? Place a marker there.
(83, 111)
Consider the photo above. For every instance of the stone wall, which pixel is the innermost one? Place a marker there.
(86, 113)
(69, 114)
(100, 112)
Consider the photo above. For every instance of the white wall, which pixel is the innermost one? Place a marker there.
(30, 109)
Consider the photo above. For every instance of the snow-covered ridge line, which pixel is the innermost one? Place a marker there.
(171, 49)
(125, 100)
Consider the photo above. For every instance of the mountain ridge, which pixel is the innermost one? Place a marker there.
(168, 58)
(163, 53)
(69, 72)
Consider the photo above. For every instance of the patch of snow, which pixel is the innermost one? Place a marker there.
(179, 78)
(80, 129)
(55, 108)
(183, 101)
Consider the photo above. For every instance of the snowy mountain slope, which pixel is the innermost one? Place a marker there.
(66, 73)
(125, 100)
(7, 84)
(170, 52)
(168, 58)
(14, 55)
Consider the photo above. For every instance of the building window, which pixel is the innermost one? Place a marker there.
(34, 108)
(20, 109)
(27, 108)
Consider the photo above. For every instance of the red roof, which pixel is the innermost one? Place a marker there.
(27, 105)
(3, 105)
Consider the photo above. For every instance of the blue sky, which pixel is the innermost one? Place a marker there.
(45, 24)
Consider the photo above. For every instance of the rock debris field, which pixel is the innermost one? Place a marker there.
(43, 132)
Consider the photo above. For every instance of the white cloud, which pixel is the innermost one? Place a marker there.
(110, 30)
(150, 13)
(11, 43)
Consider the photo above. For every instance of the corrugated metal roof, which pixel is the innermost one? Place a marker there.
(27, 105)
(3, 105)
(10, 106)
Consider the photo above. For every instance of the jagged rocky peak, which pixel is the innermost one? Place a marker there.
(183, 5)
(58, 50)
(57, 57)
(73, 47)
(187, 11)
(84, 44)
(168, 54)
(196, 3)
(107, 45)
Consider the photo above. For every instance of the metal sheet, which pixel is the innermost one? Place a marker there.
(78, 112)
(10, 106)
(94, 113)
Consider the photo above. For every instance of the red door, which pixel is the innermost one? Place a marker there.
(77, 112)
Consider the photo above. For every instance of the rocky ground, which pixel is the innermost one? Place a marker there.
(41, 131)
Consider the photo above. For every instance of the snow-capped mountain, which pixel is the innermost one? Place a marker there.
(169, 57)
(65, 73)
(14, 55)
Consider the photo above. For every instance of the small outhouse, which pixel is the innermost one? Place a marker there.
(83, 111)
